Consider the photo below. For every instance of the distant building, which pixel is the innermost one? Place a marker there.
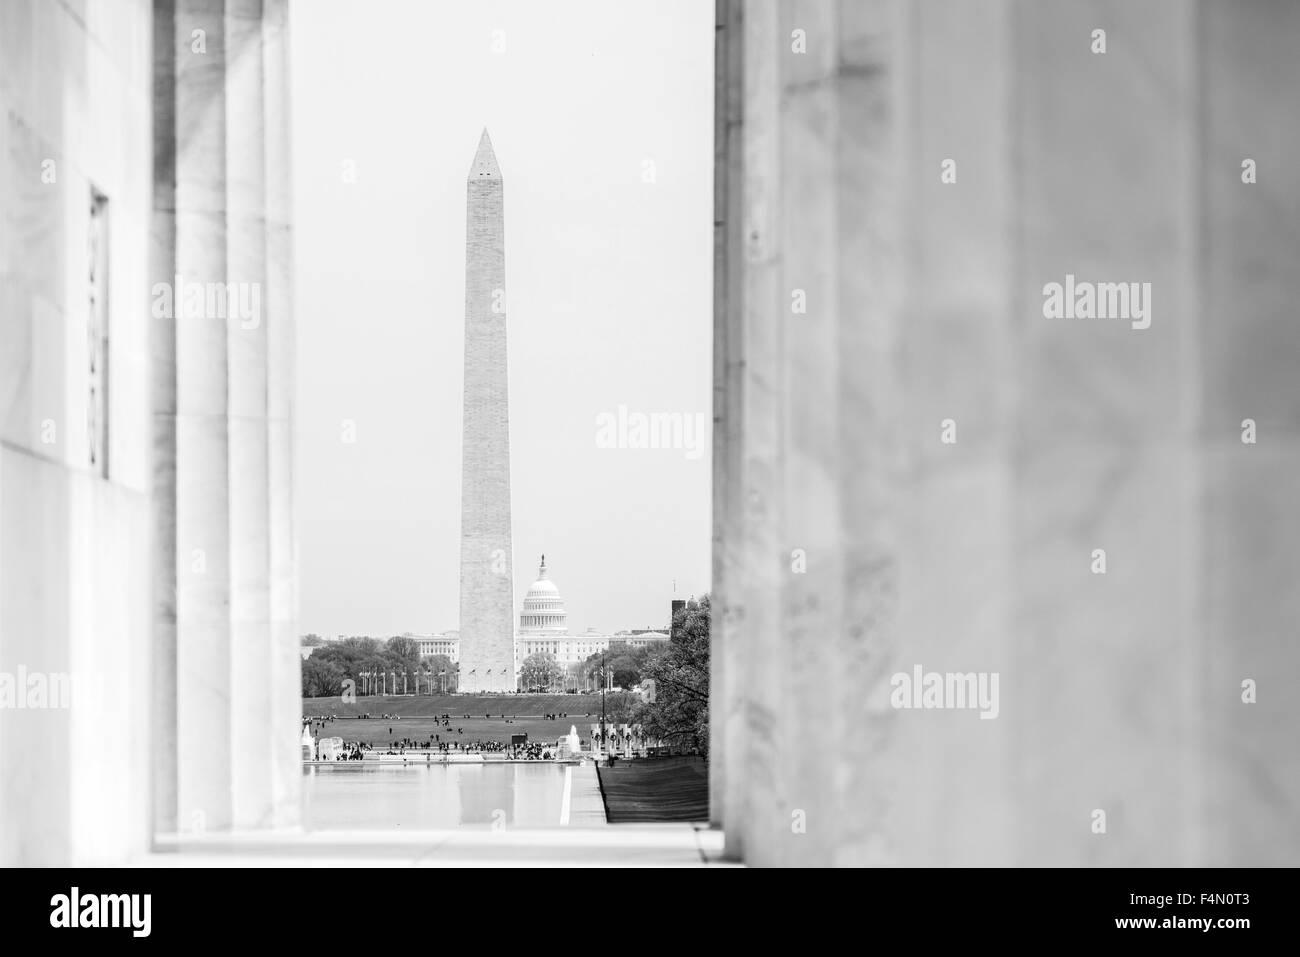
(543, 612)
(443, 643)
(544, 628)
(567, 649)
(641, 638)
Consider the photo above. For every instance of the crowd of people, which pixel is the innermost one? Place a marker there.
(530, 751)
(435, 743)
(320, 720)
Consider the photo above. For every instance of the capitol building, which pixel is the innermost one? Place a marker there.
(544, 627)
(543, 612)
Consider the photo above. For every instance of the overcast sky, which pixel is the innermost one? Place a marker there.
(609, 290)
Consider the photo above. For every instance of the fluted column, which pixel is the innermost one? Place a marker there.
(1245, 269)
(726, 662)
(162, 262)
(203, 648)
(247, 335)
(1093, 511)
(285, 661)
(227, 667)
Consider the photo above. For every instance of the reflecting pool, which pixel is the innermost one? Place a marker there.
(373, 796)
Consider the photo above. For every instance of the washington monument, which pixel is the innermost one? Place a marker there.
(486, 579)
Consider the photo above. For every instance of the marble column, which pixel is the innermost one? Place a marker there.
(873, 52)
(1105, 674)
(162, 260)
(227, 663)
(803, 238)
(285, 663)
(247, 349)
(916, 468)
(762, 561)
(727, 662)
(1245, 269)
(203, 520)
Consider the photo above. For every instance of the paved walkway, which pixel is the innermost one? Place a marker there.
(584, 807)
(631, 845)
(582, 838)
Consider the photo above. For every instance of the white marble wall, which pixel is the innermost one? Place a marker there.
(166, 589)
(1118, 692)
(74, 590)
(1248, 361)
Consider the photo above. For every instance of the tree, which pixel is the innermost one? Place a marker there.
(375, 665)
(437, 665)
(622, 662)
(627, 665)
(321, 678)
(676, 682)
(575, 674)
(540, 671)
(312, 640)
(351, 654)
(594, 669)
(403, 652)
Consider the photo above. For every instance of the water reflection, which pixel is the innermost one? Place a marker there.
(372, 796)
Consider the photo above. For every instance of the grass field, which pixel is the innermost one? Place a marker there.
(510, 714)
(664, 789)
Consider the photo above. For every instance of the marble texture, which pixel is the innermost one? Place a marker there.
(1118, 692)
(849, 542)
(74, 544)
(228, 668)
(487, 604)
(184, 679)
(278, 301)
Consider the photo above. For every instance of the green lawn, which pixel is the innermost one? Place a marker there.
(662, 789)
(478, 704)
(417, 719)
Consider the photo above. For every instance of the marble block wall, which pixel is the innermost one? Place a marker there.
(914, 467)
(74, 590)
(155, 576)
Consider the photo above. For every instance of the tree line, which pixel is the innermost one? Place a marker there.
(333, 663)
(667, 683)
(669, 680)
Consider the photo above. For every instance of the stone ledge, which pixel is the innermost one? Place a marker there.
(651, 845)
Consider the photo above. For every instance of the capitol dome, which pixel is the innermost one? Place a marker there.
(543, 612)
